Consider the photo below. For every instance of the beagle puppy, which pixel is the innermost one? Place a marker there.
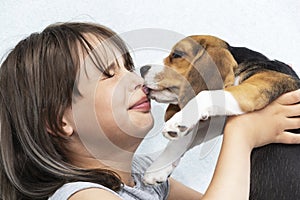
(203, 78)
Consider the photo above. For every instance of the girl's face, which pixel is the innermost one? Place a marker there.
(113, 112)
(122, 107)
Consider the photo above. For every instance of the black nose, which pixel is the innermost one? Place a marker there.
(144, 70)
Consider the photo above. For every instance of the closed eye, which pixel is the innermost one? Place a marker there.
(109, 72)
(177, 54)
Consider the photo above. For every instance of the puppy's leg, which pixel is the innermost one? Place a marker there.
(261, 89)
(163, 166)
(252, 94)
(206, 104)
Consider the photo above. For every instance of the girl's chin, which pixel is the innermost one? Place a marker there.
(142, 121)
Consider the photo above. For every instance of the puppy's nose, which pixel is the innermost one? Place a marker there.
(144, 70)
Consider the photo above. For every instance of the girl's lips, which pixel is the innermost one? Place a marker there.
(142, 105)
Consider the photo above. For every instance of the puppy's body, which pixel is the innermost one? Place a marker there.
(275, 168)
(204, 77)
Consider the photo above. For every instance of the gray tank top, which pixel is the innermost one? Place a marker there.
(139, 192)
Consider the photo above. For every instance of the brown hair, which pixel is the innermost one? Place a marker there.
(36, 85)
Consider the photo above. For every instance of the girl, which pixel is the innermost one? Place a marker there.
(73, 113)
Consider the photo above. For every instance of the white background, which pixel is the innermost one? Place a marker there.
(270, 27)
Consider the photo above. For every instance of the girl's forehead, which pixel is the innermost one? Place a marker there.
(99, 54)
(104, 50)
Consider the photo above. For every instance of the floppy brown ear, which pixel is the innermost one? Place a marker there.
(211, 69)
(216, 66)
(226, 65)
(171, 110)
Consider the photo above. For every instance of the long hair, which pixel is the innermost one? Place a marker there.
(37, 80)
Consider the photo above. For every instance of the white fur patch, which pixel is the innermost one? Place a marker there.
(206, 104)
(236, 80)
(151, 78)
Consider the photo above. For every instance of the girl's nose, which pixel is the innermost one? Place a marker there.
(137, 81)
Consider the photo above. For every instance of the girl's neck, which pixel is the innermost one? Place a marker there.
(117, 161)
(122, 167)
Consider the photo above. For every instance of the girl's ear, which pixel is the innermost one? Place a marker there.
(67, 126)
(68, 123)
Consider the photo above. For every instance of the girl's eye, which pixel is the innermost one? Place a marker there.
(107, 74)
(111, 72)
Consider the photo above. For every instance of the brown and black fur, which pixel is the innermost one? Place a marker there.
(261, 80)
(275, 168)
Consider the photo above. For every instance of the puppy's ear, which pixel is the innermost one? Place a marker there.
(217, 49)
(215, 66)
(226, 65)
(212, 69)
(171, 110)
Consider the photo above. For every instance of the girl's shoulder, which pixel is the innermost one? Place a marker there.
(69, 189)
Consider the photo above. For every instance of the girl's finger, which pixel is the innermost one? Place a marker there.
(292, 123)
(289, 98)
(288, 138)
(293, 110)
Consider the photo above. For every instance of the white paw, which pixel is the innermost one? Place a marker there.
(174, 129)
(182, 123)
(157, 177)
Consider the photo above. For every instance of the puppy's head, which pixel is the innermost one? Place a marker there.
(195, 63)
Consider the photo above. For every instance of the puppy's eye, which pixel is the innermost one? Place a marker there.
(177, 54)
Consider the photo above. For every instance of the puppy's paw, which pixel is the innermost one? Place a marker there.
(174, 131)
(179, 126)
(157, 177)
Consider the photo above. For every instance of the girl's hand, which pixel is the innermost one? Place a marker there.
(269, 125)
